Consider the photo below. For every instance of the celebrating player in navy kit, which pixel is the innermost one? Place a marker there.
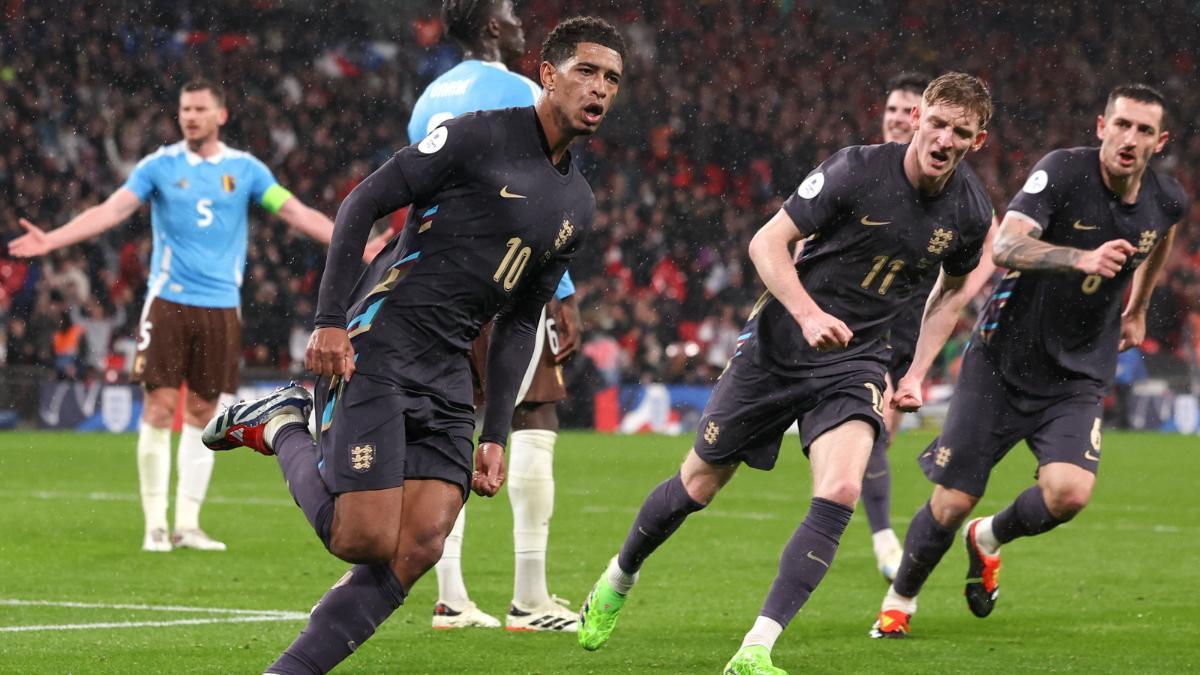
(904, 94)
(190, 331)
(498, 211)
(878, 220)
(1087, 223)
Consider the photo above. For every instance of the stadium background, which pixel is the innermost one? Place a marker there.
(725, 107)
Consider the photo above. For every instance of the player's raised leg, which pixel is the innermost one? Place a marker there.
(350, 612)
(663, 511)
(1063, 490)
(838, 458)
(277, 424)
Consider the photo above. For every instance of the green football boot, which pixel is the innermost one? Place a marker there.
(752, 660)
(599, 613)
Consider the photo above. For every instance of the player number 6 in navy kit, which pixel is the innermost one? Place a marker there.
(881, 261)
(513, 264)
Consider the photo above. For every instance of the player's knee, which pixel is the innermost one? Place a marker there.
(950, 508)
(844, 491)
(420, 553)
(356, 546)
(702, 489)
(199, 412)
(701, 480)
(159, 410)
(1066, 501)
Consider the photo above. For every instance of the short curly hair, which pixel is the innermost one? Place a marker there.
(561, 43)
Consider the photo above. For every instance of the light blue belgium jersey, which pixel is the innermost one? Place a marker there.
(470, 86)
(198, 217)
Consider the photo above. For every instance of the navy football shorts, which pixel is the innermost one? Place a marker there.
(987, 418)
(376, 435)
(751, 408)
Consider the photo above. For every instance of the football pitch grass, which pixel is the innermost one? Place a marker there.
(1117, 590)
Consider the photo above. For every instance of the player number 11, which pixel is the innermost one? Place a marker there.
(513, 264)
(881, 261)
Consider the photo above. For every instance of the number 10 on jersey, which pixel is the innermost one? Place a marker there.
(513, 265)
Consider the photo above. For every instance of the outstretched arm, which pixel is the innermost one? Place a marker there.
(94, 220)
(1018, 248)
(309, 221)
(317, 226)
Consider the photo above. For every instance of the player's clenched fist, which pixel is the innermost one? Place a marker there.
(824, 331)
(1106, 260)
(330, 353)
(489, 470)
(907, 397)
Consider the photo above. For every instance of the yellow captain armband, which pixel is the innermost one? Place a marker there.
(274, 198)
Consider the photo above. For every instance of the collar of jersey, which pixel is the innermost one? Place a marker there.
(495, 64)
(193, 159)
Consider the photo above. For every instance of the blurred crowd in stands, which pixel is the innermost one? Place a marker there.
(724, 108)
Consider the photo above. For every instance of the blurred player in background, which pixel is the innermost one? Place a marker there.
(499, 209)
(190, 331)
(879, 219)
(1087, 223)
(492, 39)
(904, 96)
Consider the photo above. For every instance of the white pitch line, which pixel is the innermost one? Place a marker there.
(152, 624)
(235, 615)
(14, 602)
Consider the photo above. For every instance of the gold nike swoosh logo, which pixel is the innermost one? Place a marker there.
(510, 195)
(1092, 456)
(1080, 226)
(866, 220)
(813, 557)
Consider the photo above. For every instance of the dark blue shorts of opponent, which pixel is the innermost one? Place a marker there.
(751, 408)
(987, 418)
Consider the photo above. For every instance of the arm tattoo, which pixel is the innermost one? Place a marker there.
(1019, 251)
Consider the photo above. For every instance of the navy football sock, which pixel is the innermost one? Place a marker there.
(877, 485)
(924, 545)
(1027, 516)
(345, 617)
(297, 455)
(662, 513)
(805, 559)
